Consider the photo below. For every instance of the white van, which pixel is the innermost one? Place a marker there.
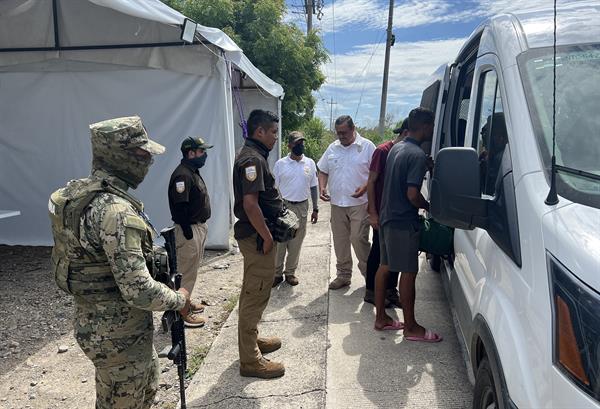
(524, 280)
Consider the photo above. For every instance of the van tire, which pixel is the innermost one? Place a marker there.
(484, 395)
(435, 262)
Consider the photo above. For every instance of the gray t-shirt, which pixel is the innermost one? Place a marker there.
(406, 166)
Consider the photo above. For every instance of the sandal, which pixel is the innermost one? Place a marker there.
(429, 336)
(394, 326)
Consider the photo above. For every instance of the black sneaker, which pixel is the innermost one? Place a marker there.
(370, 298)
(277, 280)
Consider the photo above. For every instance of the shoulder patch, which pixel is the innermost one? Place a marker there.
(180, 187)
(250, 173)
(134, 222)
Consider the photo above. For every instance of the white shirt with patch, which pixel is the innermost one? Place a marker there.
(294, 178)
(348, 169)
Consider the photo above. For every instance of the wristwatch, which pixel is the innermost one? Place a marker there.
(315, 210)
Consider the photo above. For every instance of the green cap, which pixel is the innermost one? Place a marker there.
(193, 143)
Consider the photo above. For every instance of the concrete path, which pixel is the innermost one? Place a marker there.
(333, 357)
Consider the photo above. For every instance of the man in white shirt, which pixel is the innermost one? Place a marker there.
(345, 167)
(295, 178)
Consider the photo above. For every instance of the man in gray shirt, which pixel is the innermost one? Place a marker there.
(400, 228)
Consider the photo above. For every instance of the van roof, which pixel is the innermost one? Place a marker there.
(578, 23)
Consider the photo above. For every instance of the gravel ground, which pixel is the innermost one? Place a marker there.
(41, 365)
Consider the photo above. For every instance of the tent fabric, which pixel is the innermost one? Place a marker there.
(50, 97)
(27, 23)
(57, 143)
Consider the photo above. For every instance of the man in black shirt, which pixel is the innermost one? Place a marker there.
(190, 209)
(256, 199)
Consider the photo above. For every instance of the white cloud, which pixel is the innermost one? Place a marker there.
(411, 64)
(371, 14)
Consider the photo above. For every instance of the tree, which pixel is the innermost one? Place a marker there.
(279, 50)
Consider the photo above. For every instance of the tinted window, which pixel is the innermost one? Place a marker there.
(490, 138)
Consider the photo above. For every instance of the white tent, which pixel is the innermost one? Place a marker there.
(65, 64)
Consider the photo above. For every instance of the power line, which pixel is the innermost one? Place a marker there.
(375, 48)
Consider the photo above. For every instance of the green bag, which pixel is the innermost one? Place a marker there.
(436, 238)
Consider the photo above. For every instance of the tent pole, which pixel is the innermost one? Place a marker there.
(55, 18)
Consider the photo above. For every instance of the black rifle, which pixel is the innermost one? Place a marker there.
(172, 320)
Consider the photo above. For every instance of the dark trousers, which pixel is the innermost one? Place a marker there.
(373, 265)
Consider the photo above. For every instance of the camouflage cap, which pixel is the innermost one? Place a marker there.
(126, 133)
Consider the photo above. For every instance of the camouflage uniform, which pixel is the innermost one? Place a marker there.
(103, 243)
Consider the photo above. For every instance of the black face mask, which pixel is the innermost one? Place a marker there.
(298, 150)
(198, 162)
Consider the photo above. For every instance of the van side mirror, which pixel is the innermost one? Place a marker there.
(455, 190)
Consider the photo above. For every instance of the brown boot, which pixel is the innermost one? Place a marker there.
(339, 282)
(193, 320)
(263, 368)
(268, 344)
(291, 280)
(196, 307)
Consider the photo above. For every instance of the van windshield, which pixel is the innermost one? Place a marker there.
(577, 115)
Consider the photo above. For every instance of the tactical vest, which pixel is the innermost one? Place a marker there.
(77, 270)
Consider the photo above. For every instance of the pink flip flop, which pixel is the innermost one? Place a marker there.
(429, 336)
(394, 326)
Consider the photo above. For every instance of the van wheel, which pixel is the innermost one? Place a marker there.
(484, 396)
(435, 262)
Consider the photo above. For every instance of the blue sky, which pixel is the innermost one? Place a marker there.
(428, 34)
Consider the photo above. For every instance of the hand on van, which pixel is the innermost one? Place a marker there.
(430, 163)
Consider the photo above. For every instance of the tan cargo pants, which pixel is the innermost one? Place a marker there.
(190, 253)
(259, 272)
(350, 226)
(293, 246)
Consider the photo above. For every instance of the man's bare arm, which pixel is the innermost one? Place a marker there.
(416, 198)
(323, 178)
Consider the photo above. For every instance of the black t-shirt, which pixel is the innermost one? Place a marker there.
(406, 166)
(188, 197)
(251, 174)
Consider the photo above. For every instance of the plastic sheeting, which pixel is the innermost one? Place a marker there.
(49, 97)
(29, 23)
(45, 139)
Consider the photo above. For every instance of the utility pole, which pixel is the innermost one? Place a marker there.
(386, 69)
(331, 104)
(309, 14)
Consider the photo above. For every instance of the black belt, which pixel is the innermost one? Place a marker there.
(292, 202)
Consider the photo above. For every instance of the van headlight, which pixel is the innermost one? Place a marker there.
(576, 327)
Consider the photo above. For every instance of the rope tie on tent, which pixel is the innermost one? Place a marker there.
(238, 102)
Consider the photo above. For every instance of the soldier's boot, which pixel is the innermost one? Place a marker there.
(263, 368)
(268, 344)
(193, 320)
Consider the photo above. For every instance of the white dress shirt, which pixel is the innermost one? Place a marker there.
(295, 178)
(348, 169)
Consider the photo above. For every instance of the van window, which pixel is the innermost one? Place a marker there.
(490, 137)
(461, 105)
(430, 96)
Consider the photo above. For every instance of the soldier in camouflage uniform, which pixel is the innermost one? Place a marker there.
(102, 250)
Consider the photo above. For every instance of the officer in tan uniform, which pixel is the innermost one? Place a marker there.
(190, 209)
(256, 198)
(102, 247)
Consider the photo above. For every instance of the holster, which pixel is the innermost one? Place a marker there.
(284, 227)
